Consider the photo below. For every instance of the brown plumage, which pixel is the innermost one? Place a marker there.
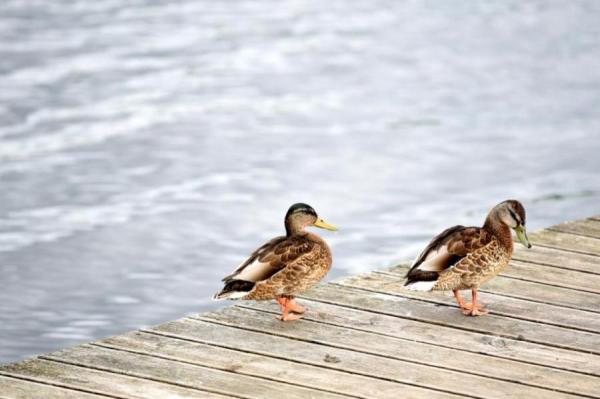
(284, 266)
(466, 257)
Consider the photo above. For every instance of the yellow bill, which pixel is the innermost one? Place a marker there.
(522, 236)
(324, 225)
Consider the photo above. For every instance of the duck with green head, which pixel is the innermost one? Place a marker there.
(463, 258)
(285, 266)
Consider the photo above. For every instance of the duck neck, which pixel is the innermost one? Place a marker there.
(292, 229)
(500, 230)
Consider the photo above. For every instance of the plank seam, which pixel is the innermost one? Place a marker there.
(444, 325)
(392, 274)
(209, 343)
(58, 385)
(559, 229)
(140, 377)
(493, 312)
(178, 360)
(434, 345)
(465, 328)
(320, 343)
(568, 287)
(516, 257)
(219, 322)
(569, 250)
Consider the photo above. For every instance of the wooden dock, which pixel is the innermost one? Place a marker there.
(363, 337)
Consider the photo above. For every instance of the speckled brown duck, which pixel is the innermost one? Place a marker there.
(285, 266)
(462, 258)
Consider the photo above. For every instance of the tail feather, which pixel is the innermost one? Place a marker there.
(419, 280)
(420, 285)
(235, 289)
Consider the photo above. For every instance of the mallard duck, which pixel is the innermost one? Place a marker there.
(284, 266)
(463, 258)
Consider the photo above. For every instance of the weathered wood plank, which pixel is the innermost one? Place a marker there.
(388, 348)
(14, 388)
(531, 291)
(100, 382)
(558, 258)
(424, 309)
(436, 353)
(418, 316)
(566, 241)
(303, 352)
(585, 227)
(261, 366)
(553, 276)
(182, 374)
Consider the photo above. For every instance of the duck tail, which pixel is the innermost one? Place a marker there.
(234, 289)
(418, 280)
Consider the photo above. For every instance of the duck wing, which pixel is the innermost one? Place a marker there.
(264, 263)
(445, 250)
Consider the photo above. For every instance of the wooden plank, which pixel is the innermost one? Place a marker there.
(14, 388)
(302, 352)
(424, 308)
(553, 276)
(532, 291)
(468, 358)
(418, 316)
(461, 382)
(182, 374)
(566, 241)
(509, 306)
(558, 258)
(260, 366)
(585, 227)
(100, 382)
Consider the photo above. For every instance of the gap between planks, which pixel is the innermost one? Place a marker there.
(157, 355)
(522, 329)
(258, 365)
(504, 306)
(531, 291)
(443, 373)
(474, 356)
(164, 371)
(43, 383)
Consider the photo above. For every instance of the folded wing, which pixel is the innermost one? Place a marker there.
(263, 264)
(443, 252)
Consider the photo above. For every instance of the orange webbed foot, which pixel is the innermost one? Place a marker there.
(290, 317)
(294, 307)
(470, 310)
(291, 310)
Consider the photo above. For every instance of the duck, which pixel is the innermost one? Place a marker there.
(464, 258)
(284, 266)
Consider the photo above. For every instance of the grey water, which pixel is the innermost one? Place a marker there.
(147, 147)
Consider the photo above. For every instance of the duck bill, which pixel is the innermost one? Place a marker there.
(522, 236)
(320, 223)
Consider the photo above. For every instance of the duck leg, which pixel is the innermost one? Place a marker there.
(294, 307)
(459, 299)
(473, 308)
(287, 311)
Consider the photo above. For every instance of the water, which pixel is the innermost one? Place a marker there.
(146, 149)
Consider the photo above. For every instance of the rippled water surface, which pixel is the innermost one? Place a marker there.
(147, 148)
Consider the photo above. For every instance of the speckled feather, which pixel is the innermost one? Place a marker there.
(287, 266)
(475, 268)
(299, 273)
(472, 256)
